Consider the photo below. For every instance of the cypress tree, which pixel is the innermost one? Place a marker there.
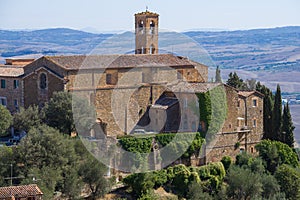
(218, 75)
(287, 127)
(267, 110)
(277, 116)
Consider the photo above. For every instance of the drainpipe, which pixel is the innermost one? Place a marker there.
(246, 123)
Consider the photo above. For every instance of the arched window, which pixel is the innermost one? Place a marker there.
(43, 81)
(152, 27)
(143, 50)
(152, 49)
(141, 27)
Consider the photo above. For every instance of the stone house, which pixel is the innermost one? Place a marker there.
(22, 192)
(11, 83)
(243, 127)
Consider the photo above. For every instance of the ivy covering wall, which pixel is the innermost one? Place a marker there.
(213, 109)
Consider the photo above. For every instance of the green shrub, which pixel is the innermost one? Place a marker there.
(275, 153)
(289, 181)
(137, 145)
(160, 177)
(226, 161)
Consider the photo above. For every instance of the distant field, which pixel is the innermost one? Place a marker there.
(295, 111)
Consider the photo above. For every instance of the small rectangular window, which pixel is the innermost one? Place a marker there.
(16, 103)
(16, 84)
(180, 74)
(3, 83)
(3, 101)
(254, 102)
(239, 103)
(108, 79)
(185, 102)
(111, 77)
(254, 123)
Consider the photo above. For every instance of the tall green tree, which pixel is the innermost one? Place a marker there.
(243, 183)
(67, 113)
(218, 78)
(27, 118)
(46, 155)
(58, 112)
(267, 110)
(277, 116)
(287, 127)
(92, 173)
(235, 81)
(289, 181)
(276, 153)
(5, 120)
(195, 192)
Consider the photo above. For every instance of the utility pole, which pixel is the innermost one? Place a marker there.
(11, 173)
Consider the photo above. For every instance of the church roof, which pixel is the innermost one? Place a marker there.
(76, 62)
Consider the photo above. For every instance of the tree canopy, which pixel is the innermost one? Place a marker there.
(25, 119)
(67, 113)
(277, 116)
(5, 120)
(235, 81)
(287, 127)
(218, 78)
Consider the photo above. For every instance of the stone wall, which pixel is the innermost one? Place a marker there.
(12, 94)
(239, 132)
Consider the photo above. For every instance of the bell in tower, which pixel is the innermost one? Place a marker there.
(146, 33)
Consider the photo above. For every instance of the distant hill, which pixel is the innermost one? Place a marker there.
(48, 41)
(273, 49)
(276, 49)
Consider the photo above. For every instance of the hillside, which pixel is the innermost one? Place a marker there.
(48, 41)
(268, 55)
(260, 49)
(274, 49)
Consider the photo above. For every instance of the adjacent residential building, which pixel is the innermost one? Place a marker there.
(22, 192)
(11, 83)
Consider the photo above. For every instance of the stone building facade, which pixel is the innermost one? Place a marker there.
(156, 92)
(11, 83)
(243, 127)
(109, 82)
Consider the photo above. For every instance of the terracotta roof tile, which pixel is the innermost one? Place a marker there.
(20, 191)
(11, 70)
(249, 93)
(118, 61)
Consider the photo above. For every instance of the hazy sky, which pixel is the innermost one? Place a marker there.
(175, 15)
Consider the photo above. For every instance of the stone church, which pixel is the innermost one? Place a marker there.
(146, 91)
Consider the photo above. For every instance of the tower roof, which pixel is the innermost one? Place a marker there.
(147, 13)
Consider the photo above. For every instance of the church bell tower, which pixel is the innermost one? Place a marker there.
(146, 33)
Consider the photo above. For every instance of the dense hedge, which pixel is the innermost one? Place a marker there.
(178, 178)
(136, 145)
(175, 142)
